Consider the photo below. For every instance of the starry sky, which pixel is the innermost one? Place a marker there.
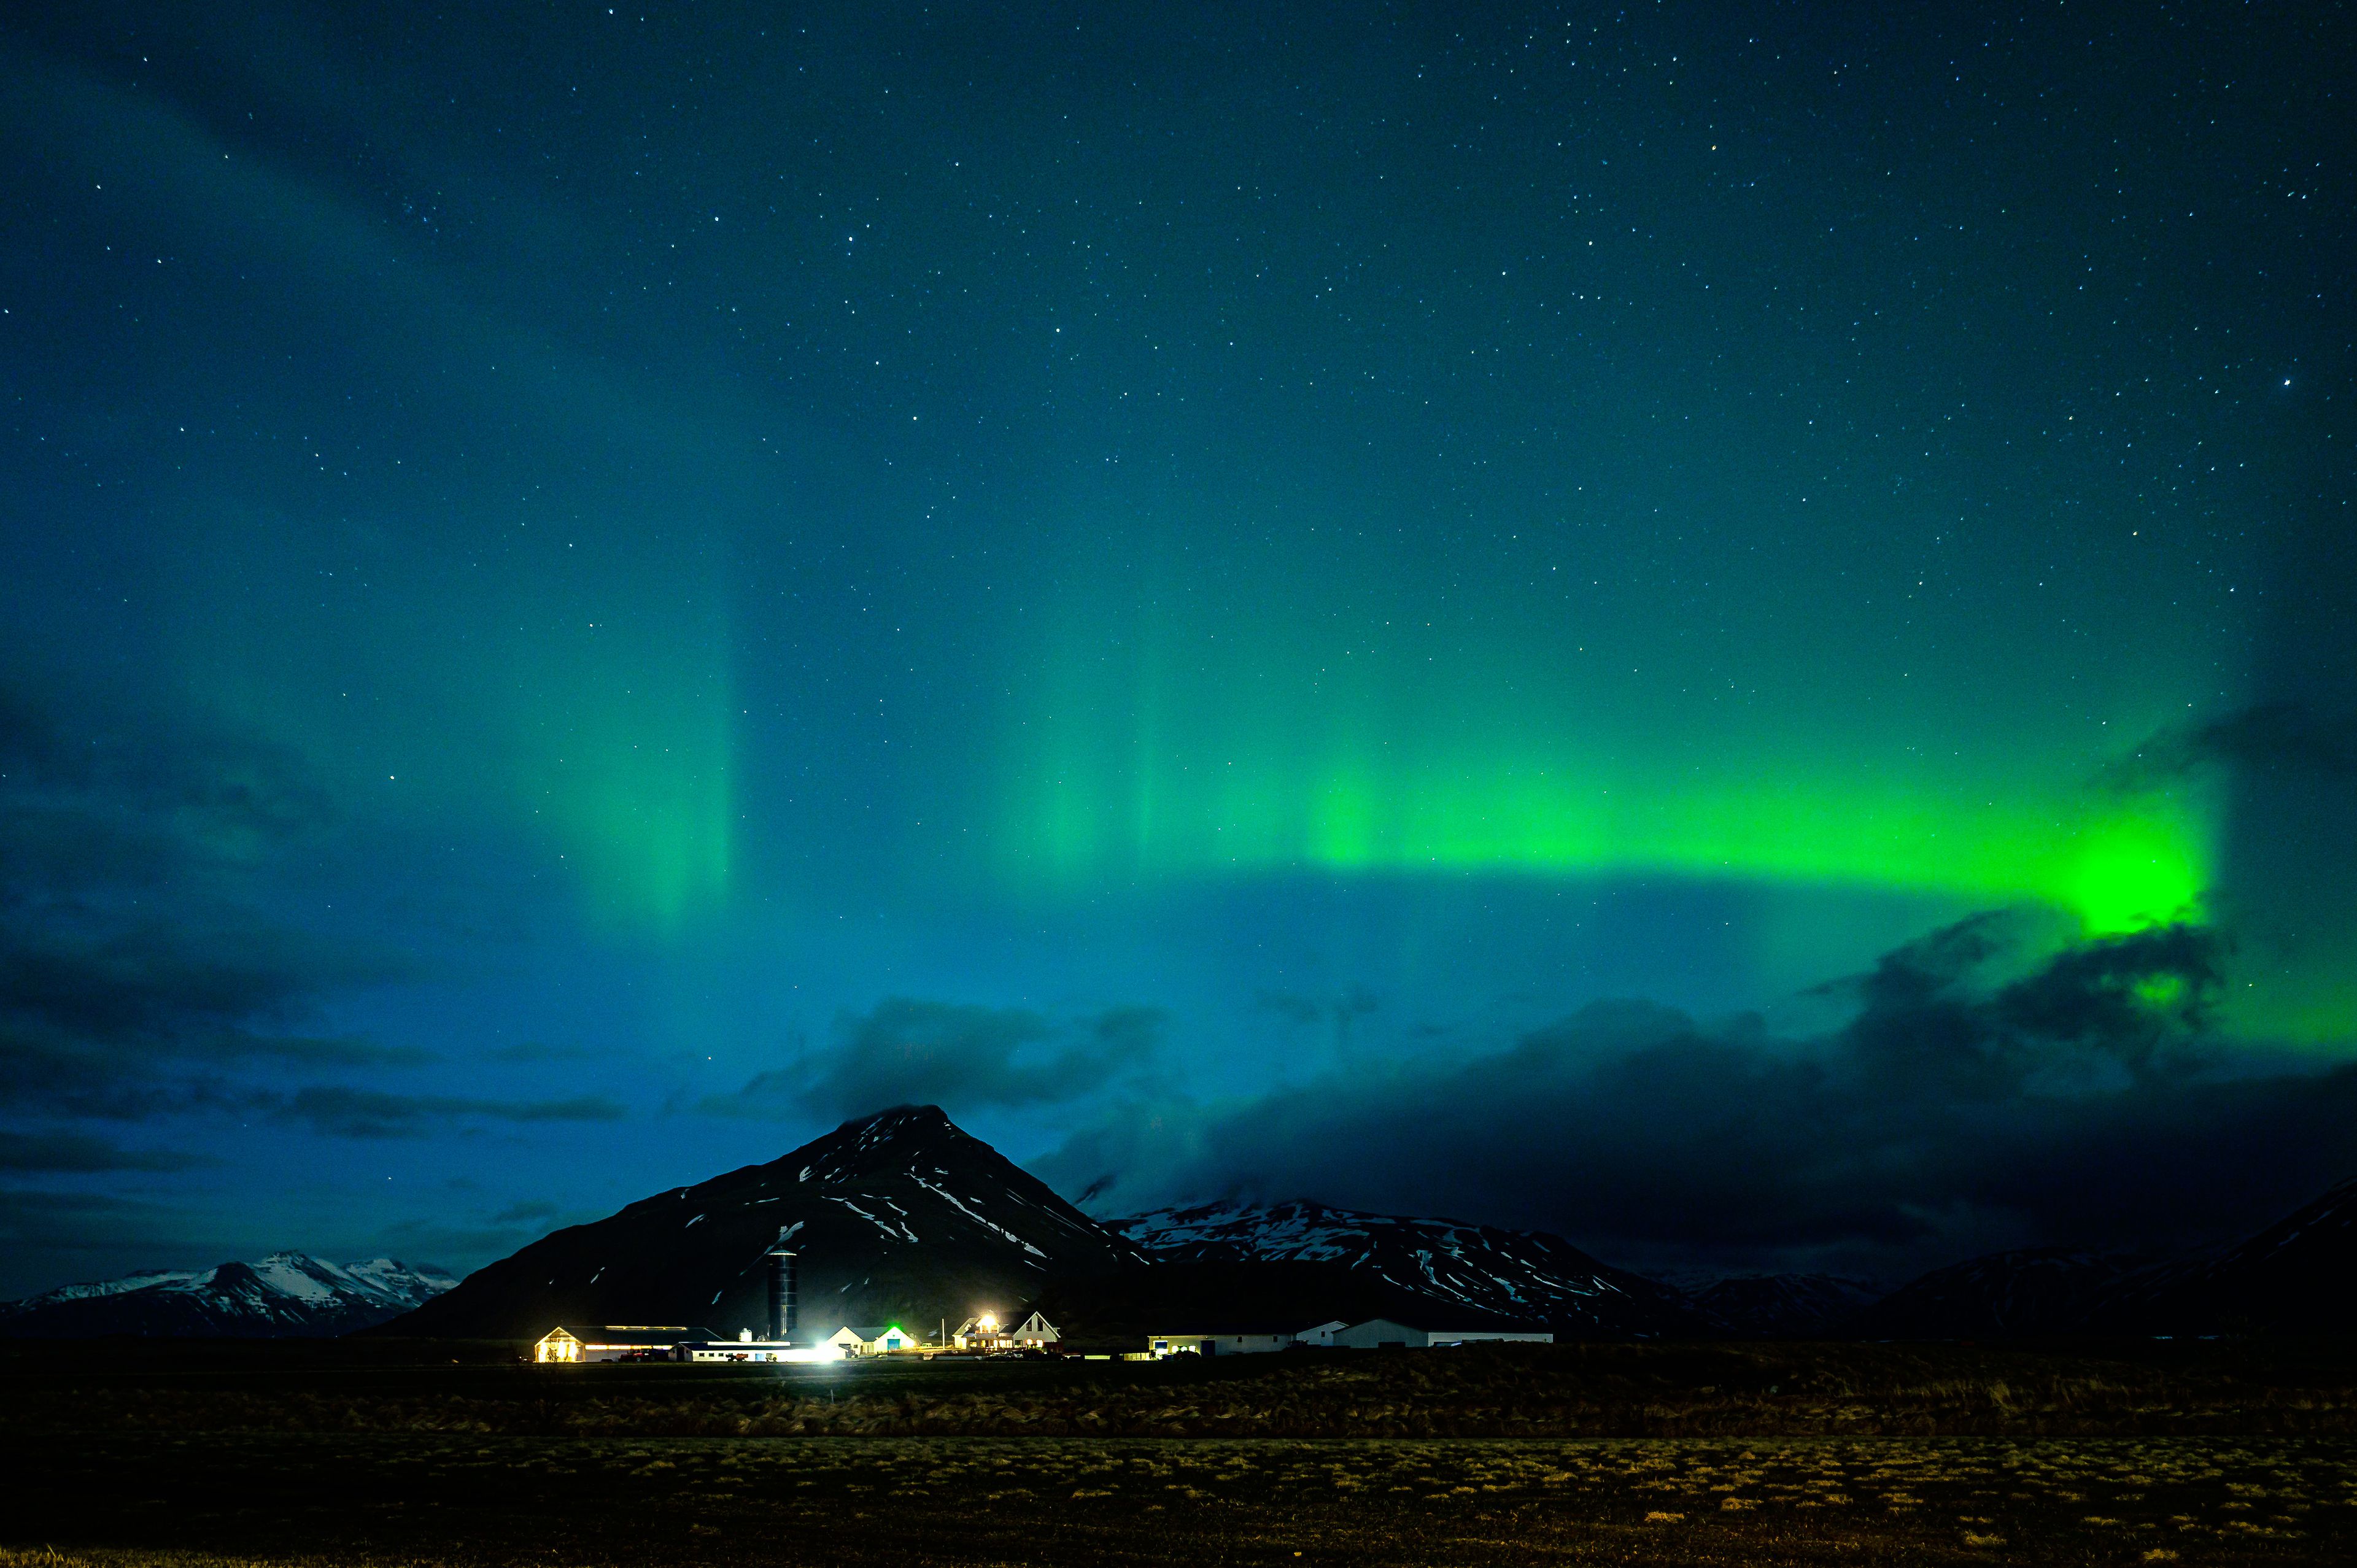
(1724, 629)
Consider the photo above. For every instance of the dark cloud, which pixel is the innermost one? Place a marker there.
(468, 1246)
(1342, 1013)
(376, 1114)
(147, 1022)
(950, 1053)
(1124, 1033)
(2265, 738)
(145, 986)
(536, 1051)
(518, 1213)
(1357, 1002)
(51, 1218)
(139, 853)
(137, 796)
(49, 1237)
(1976, 1096)
(1292, 1008)
(82, 1151)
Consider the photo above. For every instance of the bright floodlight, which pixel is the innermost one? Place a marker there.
(811, 1353)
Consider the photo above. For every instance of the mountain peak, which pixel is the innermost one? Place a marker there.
(901, 1215)
(902, 1124)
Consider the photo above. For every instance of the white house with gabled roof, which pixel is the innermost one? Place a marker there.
(1036, 1332)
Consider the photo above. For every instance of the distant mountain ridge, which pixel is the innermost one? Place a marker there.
(2297, 1276)
(2015, 1295)
(285, 1295)
(1473, 1274)
(900, 1217)
(1784, 1306)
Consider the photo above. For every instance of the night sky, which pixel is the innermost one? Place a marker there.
(1724, 629)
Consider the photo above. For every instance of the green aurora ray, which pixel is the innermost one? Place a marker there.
(1156, 733)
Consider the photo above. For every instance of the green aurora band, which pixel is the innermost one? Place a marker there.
(1161, 732)
(2114, 867)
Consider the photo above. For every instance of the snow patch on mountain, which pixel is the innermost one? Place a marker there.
(286, 1294)
(1476, 1272)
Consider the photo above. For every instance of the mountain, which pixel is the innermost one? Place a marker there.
(898, 1217)
(1784, 1306)
(2011, 1295)
(2297, 1276)
(285, 1295)
(1467, 1274)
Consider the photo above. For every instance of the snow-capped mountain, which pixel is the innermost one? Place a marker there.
(285, 1295)
(1470, 1272)
(1784, 1306)
(900, 1217)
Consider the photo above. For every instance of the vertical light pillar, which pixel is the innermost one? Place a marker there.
(783, 1307)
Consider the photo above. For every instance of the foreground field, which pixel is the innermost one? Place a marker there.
(1569, 1391)
(147, 1456)
(1077, 1500)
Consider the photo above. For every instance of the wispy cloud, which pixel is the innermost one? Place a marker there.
(82, 1151)
(950, 1053)
(137, 965)
(2268, 737)
(50, 1236)
(520, 1213)
(535, 1051)
(377, 1114)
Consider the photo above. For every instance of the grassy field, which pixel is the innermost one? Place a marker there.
(239, 1457)
(2144, 1389)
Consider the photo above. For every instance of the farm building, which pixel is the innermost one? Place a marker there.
(1334, 1334)
(1217, 1344)
(880, 1340)
(744, 1348)
(1378, 1333)
(570, 1343)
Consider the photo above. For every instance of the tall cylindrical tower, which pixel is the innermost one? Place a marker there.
(781, 1290)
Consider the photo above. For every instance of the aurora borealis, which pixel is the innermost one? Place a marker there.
(587, 590)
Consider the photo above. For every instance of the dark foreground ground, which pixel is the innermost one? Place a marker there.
(1847, 1455)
